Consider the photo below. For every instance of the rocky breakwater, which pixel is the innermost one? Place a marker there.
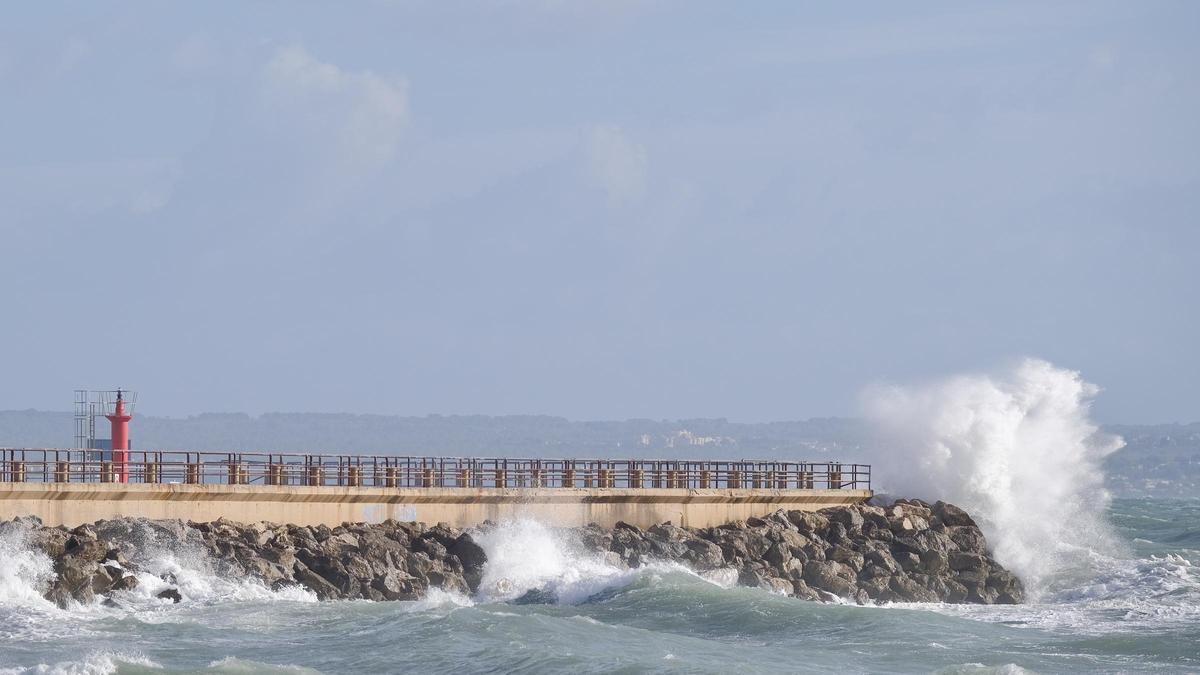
(905, 551)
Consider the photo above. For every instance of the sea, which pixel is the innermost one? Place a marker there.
(1135, 608)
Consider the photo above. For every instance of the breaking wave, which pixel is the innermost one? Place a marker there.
(530, 561)
(1014, 448)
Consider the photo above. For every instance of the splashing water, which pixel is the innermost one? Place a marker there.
(23, 570)
(526, 555)
(1017, 450)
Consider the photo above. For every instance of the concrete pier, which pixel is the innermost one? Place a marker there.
(75, 503)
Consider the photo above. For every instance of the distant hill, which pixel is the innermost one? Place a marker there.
(1161, 460)
(458, 435)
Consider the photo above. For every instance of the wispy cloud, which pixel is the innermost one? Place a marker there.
(362, 113)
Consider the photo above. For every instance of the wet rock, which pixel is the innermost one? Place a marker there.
(902, 551)
(171, 594)
(472, 558)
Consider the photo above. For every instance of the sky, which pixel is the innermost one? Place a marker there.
(595, 210)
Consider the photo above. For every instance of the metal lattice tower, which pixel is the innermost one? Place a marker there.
(90, 404)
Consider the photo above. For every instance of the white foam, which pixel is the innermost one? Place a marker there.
(1016, 449)
(97, 663)
(24, 572)
(197, 582)
(232, 664)
(526, 555)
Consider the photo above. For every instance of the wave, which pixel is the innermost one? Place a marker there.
(24, 571)
(529, 561)
(1017, 450)
(96, 663)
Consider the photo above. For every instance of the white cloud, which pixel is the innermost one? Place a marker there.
(617, 164)
(363, 114)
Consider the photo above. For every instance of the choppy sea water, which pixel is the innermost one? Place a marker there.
(1136, 608)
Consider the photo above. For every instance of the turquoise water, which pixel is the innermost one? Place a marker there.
(1133, 608)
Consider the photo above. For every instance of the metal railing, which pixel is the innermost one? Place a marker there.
(24, 465)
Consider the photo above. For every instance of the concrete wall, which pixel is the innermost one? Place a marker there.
(74, 503)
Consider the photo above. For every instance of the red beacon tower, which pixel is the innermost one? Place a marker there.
(120, 438)
(114, 452)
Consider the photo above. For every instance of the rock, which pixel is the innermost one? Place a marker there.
(472, 557)
(1009, 589)
(967, 538)
(951, 515)
(851, 558)
(808, 521)
(126, 583)
(315, 582)
(801, 590)
(961, 561)
(903, 551)
(171, 594)
(778, 555)
(850, 518)
(703, 555)
(932, 562)
(396, 585)
(905, 589)
(883, 560)
(827, 575)
(777, 585)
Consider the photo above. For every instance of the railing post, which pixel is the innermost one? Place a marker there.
(604, 478)
(150, 472)
(316, 475)
(705, 479)
(501, 478)
(62, 472)
(463, 479)
(635, 478)
(427, 478)
(568, 478)
(191, 473)
(535, 478)
(390, 479)
(733, 478)
(17, 469)
(835, 476)
(354, 476)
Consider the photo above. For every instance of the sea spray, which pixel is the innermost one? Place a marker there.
(1015, 448)
(24, 571)
(526, 555)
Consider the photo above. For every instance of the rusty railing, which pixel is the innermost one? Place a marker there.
(24, 465)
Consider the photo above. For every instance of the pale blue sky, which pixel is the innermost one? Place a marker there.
(609, 210)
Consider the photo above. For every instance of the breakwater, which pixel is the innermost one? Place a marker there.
(904, 551)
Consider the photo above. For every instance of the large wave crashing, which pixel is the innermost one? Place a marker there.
(1016, 448)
